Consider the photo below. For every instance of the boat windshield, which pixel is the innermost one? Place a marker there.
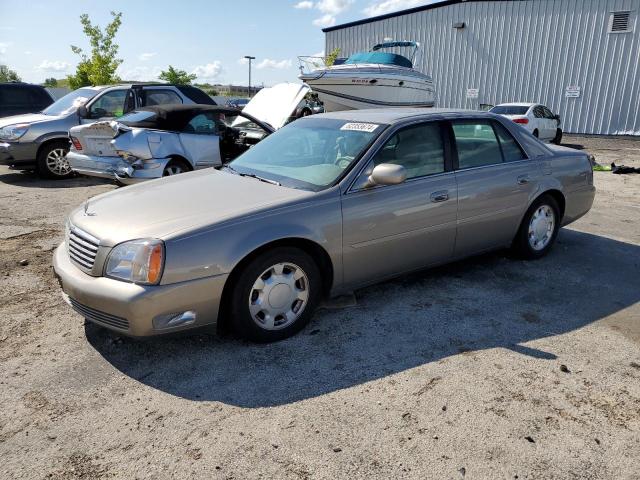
(384, 58)
(309, 154)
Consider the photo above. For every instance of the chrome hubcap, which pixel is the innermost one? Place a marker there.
(278, 296)
(57, 162)
(173, 170)
(541, 227)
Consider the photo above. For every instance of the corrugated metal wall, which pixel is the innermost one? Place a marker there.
(523, 50)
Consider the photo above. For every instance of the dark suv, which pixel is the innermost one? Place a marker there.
(17, 98)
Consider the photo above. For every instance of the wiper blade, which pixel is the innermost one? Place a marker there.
(262, 179)
(253, 175)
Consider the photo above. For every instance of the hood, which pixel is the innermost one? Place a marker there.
(160, 208)
(275, 105)
(26, 118)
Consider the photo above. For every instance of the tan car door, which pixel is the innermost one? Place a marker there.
(391, 229)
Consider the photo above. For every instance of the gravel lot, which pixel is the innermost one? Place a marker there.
(486, 369)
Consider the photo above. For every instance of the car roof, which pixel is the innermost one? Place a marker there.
(395, 115)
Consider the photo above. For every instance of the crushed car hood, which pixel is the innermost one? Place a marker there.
(172, 205)
(26, 118)
(275, 105)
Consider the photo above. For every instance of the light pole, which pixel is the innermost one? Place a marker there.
(249, 57)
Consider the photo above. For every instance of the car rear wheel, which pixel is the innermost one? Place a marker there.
(175, 167)
(275, 295)
(535, 133)
(539, 228)
(52, 160)
(558, 138)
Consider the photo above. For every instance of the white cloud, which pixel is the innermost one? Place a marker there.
(330, 9)
(325, 21)
(3, 47)
(305, 4)
(387, 6)
(268, 63)
(146, 56)
(139, 74)
(210, 71)
(28, 52)
(243, 61)
(53, 66)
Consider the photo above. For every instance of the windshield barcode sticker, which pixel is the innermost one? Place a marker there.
(360, 127)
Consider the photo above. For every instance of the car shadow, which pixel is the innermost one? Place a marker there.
(27, 178)
(485, 302)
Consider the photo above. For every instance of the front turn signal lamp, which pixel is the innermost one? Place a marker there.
(137, 261)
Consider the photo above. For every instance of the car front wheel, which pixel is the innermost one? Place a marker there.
(275, 295)
(558, 138)
(539, 228)
(52, 160)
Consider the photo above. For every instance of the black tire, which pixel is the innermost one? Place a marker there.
(536, 134)
(50, 164)
(305, 112)
(558, 138)
(521, 243)
(243, 291)
(175, 167)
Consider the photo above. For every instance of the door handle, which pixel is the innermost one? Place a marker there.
(440, 196)
(523, 179)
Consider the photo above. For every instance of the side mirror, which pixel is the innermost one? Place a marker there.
(82, 111)
(387, 174)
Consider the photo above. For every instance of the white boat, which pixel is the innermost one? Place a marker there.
(370, 80)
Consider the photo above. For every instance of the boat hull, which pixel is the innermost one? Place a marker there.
(370, 87)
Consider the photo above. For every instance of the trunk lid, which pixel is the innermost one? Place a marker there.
(95, 138)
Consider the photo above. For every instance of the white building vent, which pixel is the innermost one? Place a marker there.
(620, 22)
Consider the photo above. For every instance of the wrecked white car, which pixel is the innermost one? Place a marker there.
(163, 140)
(158, 141)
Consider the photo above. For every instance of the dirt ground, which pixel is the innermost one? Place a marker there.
(491, 368)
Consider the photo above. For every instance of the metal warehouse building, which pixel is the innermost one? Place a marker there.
(579, 57)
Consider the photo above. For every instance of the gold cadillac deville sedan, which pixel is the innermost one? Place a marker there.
(327, 204)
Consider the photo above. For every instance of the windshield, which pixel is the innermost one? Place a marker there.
(310, 154)
(70, 102)
(510, 109)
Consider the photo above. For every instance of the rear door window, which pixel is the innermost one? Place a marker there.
(203, 123)
(160, 97)
(511, 150)
(476, 143)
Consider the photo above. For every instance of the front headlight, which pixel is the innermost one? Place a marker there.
(138, 261)
(13, 132)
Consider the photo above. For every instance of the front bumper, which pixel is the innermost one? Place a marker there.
(128, 308)
(115, 168)
(16, 153)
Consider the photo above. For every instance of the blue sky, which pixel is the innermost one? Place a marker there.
(208, 38)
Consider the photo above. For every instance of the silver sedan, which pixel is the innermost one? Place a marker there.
(328, 204)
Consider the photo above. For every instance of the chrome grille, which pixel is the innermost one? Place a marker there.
(97, 316)
(82, 248)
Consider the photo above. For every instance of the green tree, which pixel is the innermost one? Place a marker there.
(331, 58)
(177, 77)
(50, 82)
(8, 75)
(98, 68)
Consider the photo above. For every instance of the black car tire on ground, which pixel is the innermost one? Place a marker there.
(243, 291)
(535, 133)
(51, 161)
(558, 138)
(521, 243)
